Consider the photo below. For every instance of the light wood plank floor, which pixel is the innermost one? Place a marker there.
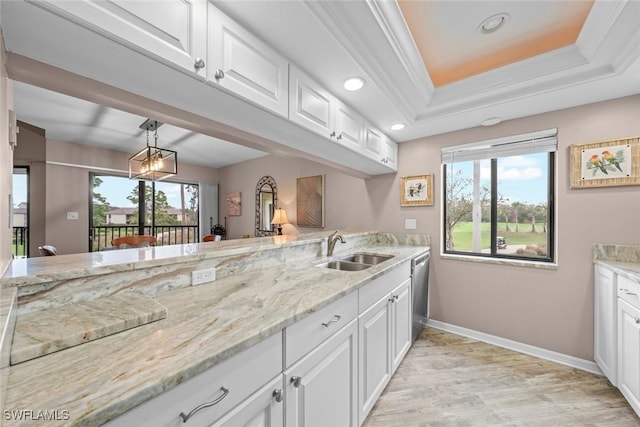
(450, 380)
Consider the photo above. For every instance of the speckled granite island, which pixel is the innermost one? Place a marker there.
(262, 286)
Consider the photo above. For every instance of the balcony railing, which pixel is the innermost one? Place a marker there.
(20, 242)
(101, 236)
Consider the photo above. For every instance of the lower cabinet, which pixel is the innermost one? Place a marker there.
(384, 338)
(263, 408)
(321, 388)
(605, 318)
(629, 353)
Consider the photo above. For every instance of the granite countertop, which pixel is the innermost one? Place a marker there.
(630, 270)
(204, 325)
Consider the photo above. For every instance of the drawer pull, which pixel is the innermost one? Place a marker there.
(185, 418)
(628, 292)
(336, 318)
(277, 395)
(295, 381)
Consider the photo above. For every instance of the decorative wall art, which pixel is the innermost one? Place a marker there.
(310, 201)
(234, 204)
(605, 164)
(416, 190)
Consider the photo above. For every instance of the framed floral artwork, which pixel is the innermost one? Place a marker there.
(605, 164)
(416, 190)
(234, 204)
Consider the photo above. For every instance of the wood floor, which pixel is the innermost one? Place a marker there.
(450, 380)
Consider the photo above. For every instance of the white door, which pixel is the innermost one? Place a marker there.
(244, 64)
(265, 408)
(606, 319)
(172, 30)
(321, 389)
(374, 354)
(401, 316)
(310, 105)
(349, 127)
(629, 353)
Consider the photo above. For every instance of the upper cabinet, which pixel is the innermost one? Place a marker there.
(173, 32)
(242, 63)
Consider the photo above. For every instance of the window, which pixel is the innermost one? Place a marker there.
(170, 210)
(499, 197)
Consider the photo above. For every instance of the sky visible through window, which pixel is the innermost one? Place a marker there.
(520, 178)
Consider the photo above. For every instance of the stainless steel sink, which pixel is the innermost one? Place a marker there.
(345, 265)
(369, 259)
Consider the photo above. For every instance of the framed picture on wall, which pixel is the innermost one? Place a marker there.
(310, 201)
(234, 204)
(416, 190)
(605, 164)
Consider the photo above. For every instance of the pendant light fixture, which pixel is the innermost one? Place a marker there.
(152, 162)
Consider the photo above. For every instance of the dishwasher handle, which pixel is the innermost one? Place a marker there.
(420, 260)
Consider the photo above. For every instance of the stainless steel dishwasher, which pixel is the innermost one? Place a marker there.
(420, 292)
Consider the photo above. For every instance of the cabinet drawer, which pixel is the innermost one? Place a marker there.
(371, 293)
(241, 375)
(307, 334)
(629, 290)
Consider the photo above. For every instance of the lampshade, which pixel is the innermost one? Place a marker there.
(279, 217)
(152, 162)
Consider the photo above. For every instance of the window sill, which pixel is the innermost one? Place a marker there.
(502, 261)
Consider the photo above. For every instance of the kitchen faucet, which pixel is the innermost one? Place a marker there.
(331, 242)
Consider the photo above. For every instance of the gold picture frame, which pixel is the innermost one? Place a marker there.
(416, 190)
(605, 164)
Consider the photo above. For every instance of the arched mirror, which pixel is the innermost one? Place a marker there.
(266, 198)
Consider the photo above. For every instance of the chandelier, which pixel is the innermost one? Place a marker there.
(152, 162)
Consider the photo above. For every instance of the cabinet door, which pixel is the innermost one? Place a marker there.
(606, 319)
(373, 142)
(400, 322)
(310, 105)
(390, 153)
(170, 29)
(374, 354)
(250, 67)
(349, 126)
(629, 353)
(265, 408)
(321, 389)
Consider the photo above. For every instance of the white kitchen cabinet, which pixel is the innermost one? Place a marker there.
(401, 316)
(384, 337)
(321, 389)
(313, 107)
(389, 153)
(629, 340)
(218, 390)
(244, 64)
(265, 408)
(605, 322)
(372, 142)
(169, 30)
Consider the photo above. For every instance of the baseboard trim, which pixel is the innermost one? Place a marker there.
(531, 350)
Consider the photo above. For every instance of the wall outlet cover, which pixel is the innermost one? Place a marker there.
(199, 277)
(410, 224)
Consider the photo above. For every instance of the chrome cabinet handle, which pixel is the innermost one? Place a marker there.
(186, 417)
(295, 381)
(393, 298)
(277, 395)
(628, 292)
(219, 75)
(637, 321)
(336, 318)
(339, 136)
(332, 134)
(199, 63)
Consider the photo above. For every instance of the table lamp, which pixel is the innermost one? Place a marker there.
(279, 218)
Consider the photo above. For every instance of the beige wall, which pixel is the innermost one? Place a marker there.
(346, 201)
(6, 162)
(552, 309)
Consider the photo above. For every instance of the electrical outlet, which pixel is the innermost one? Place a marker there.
(203, 276)
(410, 224)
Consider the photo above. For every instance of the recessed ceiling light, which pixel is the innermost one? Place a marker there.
(397, 126)
(493, 23)
(491, 121)
(354, 83)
